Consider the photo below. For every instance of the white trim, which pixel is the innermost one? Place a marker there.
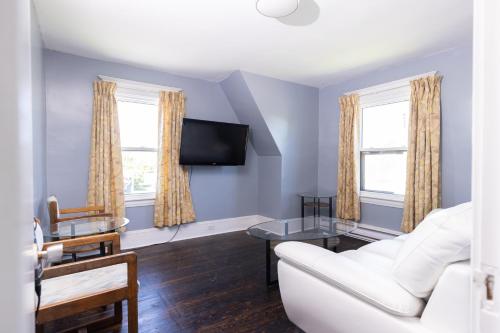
(137, 85)
(140, 199)
(382, 199)
(137, 92)
(151, 236)
(139, 203)
(370, 232)
(389, 85)
(384, 150)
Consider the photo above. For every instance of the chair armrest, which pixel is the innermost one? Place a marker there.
(77, 217)
(130, 258)
(99, 209)
(113, 237)
(352, 277)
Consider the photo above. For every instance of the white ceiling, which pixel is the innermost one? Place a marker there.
(210, 39)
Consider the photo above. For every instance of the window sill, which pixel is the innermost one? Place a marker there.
(139, 203)
(382, 199)
(139, 200)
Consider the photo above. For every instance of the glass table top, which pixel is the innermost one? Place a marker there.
(86, 227)
(317, 195)
(307, 228)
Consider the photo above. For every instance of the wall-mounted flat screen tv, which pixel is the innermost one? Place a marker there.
(213, 143)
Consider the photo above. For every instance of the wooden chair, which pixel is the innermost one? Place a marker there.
(83, 212)
(70, 289)
(56, 216)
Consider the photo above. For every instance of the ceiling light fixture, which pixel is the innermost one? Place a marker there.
(277, 8)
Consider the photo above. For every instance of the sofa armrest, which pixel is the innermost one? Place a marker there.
(352, 277)
(449, 305)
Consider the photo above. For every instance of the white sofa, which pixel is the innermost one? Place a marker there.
(418, 282)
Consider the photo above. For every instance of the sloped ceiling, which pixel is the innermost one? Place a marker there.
(247, 111)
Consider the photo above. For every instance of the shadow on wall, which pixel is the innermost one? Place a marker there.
(307, 13)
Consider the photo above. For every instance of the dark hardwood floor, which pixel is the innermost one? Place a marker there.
(209, 284)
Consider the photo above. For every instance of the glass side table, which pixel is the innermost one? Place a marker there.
(317, 204)
(85, 227)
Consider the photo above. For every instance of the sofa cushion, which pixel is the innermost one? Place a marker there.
(349, 273)
(442, 238)
(388, 248)
(372, 261)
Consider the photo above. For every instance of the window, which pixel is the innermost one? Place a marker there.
(383, 150)
(383, 142)
(139, 141)
(137, 104)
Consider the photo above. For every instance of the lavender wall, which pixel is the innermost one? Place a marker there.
(290, 111)
(218, 192)
(38, 118)
(456, 67)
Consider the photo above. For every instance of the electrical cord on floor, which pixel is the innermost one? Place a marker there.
(171, 239)
(38, 276)
(38, 289)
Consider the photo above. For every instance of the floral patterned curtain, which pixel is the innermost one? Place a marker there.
(423, 171)
(347, 174)
(173, 203)
(105, 184)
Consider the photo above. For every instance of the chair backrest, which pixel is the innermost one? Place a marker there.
(53, 207)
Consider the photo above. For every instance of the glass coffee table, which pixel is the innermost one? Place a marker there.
(299, 229)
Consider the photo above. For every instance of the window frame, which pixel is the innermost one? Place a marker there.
(147, 198)
(387, 93)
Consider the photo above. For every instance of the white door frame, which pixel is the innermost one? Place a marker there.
(486, 165)
(17, 301)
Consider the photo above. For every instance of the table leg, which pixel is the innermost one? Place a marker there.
(314, 207)
(325, 243)
(302, 206)
(102, 249)
(268, 262)
(330, 206)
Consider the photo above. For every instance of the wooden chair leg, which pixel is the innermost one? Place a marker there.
(133, 316)
(118, 313)
(39, 328)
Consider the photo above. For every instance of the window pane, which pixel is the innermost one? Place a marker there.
(139, 171)
(386, 126)
(384, 172)
(138, 125)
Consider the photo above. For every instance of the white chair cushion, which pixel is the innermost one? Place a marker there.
(350, 273)
(72, 286)
(442, 238)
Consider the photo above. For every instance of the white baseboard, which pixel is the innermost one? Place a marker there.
(151, 236)
(372, 233)
(145, 237)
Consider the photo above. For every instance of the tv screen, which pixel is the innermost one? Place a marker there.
(213, 143)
